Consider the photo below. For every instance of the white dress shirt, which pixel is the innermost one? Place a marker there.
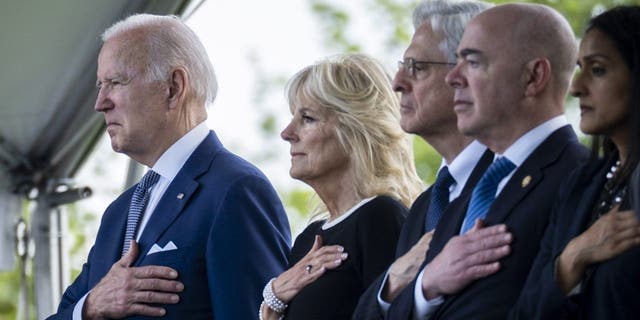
(167, 166)
(518, 152)
(460, 169)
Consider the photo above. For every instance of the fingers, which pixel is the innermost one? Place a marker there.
(481, 259)
(482, 270)
(157, 285)
(130, 257)
(478, 224)
(154, 272)
(317, 243)
(479, 231)
(147, 310)
(328, 260)
(425, 239)
(151, 297)
(487, 238)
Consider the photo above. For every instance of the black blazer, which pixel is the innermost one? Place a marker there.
(524, 205)
(609, 289)
(412, 231)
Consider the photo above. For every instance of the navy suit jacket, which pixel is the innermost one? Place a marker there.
(524, 205)
(609, 289)
(413, 230)
(228, 224)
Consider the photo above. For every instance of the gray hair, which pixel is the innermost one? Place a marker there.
(448, 19)
(168, 44)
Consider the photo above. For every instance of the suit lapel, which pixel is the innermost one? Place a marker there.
(529, 174)
(421, 206)
(453, 215)
(112, 249)
(181, 189)
(588, 197)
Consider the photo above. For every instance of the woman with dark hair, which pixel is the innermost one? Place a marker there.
(588, 266)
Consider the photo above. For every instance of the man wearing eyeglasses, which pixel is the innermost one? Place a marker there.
(427, 111)
(509, 89)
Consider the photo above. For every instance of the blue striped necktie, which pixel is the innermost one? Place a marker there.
(137, 206)
(439, 198)
(485, 192)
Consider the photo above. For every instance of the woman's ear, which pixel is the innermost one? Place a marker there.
(538, 76)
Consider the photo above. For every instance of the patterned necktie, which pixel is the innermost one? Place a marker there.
(485, 192)
(137, 206)
(439, 198)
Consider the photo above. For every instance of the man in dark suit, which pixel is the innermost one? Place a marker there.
(204, 230)
(427, 110)
(510, 89)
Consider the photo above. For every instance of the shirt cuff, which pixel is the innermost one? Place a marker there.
(384, 306)
(77, 310)
(423, 308)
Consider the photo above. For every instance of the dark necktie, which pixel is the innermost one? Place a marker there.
(439, 198)
(137, 206)
(485, 192)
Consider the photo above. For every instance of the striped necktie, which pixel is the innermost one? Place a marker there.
(485, 192)
(439, 199)
(137, 206)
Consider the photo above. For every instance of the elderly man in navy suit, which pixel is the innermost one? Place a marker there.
(510, 88)
(204, 229)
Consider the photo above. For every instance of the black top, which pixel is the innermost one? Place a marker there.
(369, 236)
(609, 289)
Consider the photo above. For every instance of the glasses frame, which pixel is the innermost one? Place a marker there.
(408, 65)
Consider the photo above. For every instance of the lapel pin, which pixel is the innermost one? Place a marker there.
(525, 181)
(180, 196)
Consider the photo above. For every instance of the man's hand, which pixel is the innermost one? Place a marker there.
(126, 291)
(613, 234)
(465, 259)
(404, 270)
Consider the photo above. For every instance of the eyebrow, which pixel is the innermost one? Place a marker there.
(465, 52)
(595, 56)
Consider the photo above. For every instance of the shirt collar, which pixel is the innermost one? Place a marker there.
(172, 160)
(464, 163)
(520, 150)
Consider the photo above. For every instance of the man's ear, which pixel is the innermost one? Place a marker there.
(538, 75)
(177, 87)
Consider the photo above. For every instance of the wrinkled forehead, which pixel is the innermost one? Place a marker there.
(125, 52)
(425, 44)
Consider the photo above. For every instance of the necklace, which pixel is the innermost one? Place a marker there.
(612, 194)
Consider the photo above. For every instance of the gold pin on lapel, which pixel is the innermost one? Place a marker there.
(180, 196)
(525, 181)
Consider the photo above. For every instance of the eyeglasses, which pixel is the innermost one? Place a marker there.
(410, 65)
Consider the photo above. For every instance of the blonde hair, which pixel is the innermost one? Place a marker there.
(358, 90)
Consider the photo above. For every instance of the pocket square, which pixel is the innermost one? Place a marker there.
(156, 248)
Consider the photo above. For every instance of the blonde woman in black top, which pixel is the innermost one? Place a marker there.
(347, 144)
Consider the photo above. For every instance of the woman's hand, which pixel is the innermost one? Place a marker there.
(308, 269)
(613, 234)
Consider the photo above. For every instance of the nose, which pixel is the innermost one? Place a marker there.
(454, 77)
(400, 82)
(577, 88)
(288, 134)
(103, 102)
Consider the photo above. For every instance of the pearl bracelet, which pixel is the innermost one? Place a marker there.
(271, 300)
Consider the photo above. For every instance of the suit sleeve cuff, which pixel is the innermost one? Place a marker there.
(423, 308)
(77, 310)
(384, 306)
